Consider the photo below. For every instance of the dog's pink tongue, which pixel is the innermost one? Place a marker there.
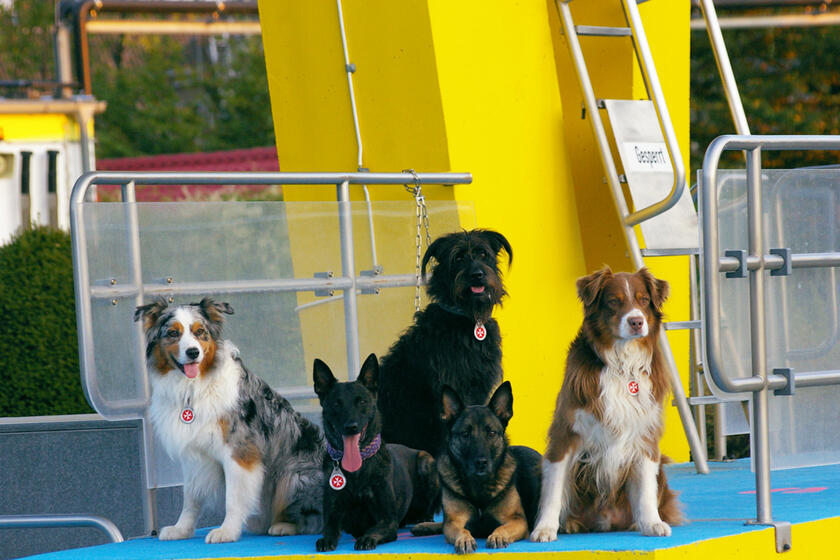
(352, 459)
(477, 289)
(191, 370)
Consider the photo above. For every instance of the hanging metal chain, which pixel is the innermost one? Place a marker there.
(422, 215)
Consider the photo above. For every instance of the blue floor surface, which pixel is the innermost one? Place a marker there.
(715, 505)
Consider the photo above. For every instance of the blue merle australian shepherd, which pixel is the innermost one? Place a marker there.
(229, 429)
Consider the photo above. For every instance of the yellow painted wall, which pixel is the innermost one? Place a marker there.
(38, 127)
(483, 87)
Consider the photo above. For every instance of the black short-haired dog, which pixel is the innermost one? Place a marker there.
(453, 341)
(489, 489)
(370, 489)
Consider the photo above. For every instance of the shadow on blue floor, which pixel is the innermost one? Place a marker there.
(716, 505)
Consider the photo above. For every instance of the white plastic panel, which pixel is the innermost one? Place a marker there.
(800, 211)
(278, 333)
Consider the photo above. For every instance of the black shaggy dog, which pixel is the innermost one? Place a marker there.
(454, 341)
(489, 489)
(371, 489)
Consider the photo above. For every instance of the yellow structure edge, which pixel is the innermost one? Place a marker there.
(486, 88)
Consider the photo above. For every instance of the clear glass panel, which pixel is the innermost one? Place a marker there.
(800, 211)
(279, 334)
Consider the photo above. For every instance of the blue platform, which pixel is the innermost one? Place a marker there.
(716, 506)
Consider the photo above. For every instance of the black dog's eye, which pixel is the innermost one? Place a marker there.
(484, 254)
(465, 434)
(361, 402)
(459, 258)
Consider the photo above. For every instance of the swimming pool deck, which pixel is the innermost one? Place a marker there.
(717, 507)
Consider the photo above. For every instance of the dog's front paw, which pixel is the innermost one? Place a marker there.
(223, 534)
(427, 528)
(657, 529)
(544, 533)
(282, 529)
(366, 542)
(175, 533)
(325, 545)
(465, 544)
(497, 541)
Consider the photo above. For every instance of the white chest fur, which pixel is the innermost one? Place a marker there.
(209, 397)
(630, 416)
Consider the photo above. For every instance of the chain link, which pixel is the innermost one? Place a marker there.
(422, 215)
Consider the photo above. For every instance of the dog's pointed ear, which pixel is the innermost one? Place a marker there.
(451, 404)
(213, 311)
(659, 289)
(150, 312)
(588, 287)
(324, 379)
(501, 403)
(369, 374)
(498, 242)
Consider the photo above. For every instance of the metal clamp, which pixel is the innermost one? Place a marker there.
(787, 267)
(324, 293)
(375, 271)
(741, 255)
(790, 389)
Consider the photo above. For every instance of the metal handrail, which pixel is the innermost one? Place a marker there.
(347, 282)
(658, 97)
(757, 260)
(59, 520)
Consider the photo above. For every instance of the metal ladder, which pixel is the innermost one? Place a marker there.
(644, 132)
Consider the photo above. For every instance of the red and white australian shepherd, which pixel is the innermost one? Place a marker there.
(233, 435)
(603, 470)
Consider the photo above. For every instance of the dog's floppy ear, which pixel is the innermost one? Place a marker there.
(369, 374)
(212, 311)
(659, 289)
(451, 404)
(501, 403)
(498, 242)
(588, 287)
(150, 312)
(324, 379)
(435, 250)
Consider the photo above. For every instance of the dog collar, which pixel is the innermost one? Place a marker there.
(479, 330)
(366, 453)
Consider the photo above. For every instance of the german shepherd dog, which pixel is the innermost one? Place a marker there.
(453, 341)
(370, 489)
(489, 489)
(232, 433)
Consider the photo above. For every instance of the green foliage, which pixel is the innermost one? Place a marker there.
(165, 95)
(788, 80)
(39, 363)
(26, 41)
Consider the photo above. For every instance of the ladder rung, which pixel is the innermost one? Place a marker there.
(708, 399)
(675, 252)
(679, 325)
(600, 31)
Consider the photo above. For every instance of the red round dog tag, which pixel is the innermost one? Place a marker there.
(633, 387)
(337, 479)
(480, 332)
(187, 416)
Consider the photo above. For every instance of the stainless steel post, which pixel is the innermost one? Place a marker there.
(758, 334)
(348, 266)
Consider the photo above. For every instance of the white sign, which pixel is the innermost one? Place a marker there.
(645, 156)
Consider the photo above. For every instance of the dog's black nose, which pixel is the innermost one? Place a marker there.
(192, 353)
(636, 323)
(351, 428)
(480, 465)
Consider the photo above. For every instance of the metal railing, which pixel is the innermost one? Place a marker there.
(58, 520)
(135, 289)
(752, 263)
